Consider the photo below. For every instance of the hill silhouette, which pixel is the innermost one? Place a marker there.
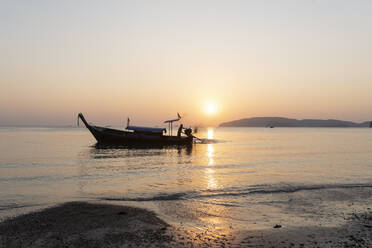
(287, 122)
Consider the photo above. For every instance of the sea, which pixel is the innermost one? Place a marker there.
(234, 178)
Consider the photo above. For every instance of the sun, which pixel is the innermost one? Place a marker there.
(210, 108)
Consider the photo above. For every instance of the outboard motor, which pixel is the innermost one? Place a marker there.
(188, 132)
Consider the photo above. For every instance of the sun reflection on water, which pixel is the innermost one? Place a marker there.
(210, 154)
(210, 133)
(212, 184)
(209, 172)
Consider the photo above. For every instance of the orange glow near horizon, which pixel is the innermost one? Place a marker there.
(155, 67)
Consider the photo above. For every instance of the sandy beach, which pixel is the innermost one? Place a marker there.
(81, 224)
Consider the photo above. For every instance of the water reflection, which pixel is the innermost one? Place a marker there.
(210, 133)
(184, 150)
(210, 154)
(108, 152)
(99, 153)
(212, 184)
(209, 172)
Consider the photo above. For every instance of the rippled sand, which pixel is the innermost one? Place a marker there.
(80, 224)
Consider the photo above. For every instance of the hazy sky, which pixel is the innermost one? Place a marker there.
(150, 59)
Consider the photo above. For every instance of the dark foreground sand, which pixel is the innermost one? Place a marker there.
(79, 224)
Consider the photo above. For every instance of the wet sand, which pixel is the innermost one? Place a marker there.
(81, 224)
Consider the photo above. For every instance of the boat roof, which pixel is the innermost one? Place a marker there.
(171, 121)
(168, 121)
(146, 129)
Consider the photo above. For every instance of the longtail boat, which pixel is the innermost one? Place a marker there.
(137, 136)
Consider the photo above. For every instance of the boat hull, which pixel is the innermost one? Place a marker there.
(108, 136)
(123, 138)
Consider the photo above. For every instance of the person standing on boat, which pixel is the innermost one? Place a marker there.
(179, 131)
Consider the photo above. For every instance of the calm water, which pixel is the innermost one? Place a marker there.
(251, 178)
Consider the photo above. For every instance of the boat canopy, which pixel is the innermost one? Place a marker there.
(171, 121)
(147, 129)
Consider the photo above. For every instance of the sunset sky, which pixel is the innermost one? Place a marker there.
(151, 59)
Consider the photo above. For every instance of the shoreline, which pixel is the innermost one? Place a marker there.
(82, 224)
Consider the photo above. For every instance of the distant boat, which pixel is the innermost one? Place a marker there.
(137, 136)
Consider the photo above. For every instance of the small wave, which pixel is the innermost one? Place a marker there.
(208, 141)
(30, 178)
(14, 206)
(287, 189)
(234, 192)
(162, 197)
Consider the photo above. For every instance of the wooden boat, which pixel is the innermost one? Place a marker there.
(136, 136)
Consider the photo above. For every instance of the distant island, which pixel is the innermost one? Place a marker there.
(287, 122)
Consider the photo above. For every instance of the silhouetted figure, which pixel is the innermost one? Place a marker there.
(179, 131)
(370, 124)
